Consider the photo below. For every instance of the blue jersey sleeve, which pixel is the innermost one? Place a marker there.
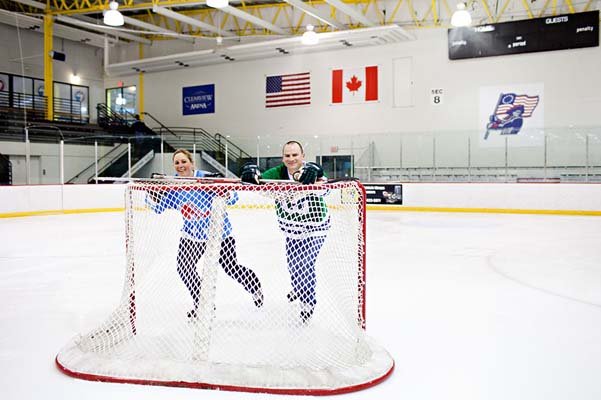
(168, 200)
(233, 198)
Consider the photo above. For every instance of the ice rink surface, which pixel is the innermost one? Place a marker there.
(470, 306)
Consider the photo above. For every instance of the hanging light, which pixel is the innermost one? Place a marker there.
(218, 3)
(310, 36)
(461, 16)
(113, 17)
(75, 79)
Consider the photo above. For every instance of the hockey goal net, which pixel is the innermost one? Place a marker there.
(240, 287)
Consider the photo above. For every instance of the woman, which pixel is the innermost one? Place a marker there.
(195, 206)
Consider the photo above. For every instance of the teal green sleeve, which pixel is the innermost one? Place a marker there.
(273, 173)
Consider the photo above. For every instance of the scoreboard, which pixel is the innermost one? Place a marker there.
(567, 31)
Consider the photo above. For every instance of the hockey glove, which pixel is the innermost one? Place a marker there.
(154, 194)
(251, 174)
(311, 172)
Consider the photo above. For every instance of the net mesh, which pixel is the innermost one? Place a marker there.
(238, 286)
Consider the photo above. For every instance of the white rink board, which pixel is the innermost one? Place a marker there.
(521, 196)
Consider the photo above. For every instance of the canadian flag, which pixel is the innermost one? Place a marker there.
(355, 85)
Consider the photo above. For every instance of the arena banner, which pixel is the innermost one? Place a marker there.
(384, 193)
(198, 100)
(512, 114)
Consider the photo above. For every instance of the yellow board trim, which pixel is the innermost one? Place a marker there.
(369, 208)
(59, 212)
(483, 210)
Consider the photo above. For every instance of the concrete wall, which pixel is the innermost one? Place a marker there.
(22, 55)
(570, 80)
(45, 161)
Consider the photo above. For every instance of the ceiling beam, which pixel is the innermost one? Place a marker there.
(190, 21)
(102, 28)
(31, 3)
(62, 31)
(315, 13)
(253, 20)
(157, 29)
(351, 12)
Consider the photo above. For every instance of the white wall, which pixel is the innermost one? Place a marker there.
(86, 61)
(571, 79)
(571, 197)
(45, 169)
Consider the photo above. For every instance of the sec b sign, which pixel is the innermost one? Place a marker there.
(198, 99)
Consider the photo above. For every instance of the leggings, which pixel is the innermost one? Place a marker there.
(190, 251)
(301, 255)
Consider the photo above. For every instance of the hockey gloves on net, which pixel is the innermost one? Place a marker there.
(250, 174)
(311, 172)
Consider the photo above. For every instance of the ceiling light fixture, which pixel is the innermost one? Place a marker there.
(75, 79)
(113, 17)
(461, 16)
(310, 36)
(218, 3)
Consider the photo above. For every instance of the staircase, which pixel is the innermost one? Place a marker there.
(87, 174)
(211, 147)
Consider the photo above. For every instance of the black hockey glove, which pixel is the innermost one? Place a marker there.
(311, 172)
(251, 174)
(213, 175)
(156, 175)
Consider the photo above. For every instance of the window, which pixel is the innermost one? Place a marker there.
(122, 100)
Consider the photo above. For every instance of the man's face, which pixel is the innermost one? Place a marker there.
(293, 157)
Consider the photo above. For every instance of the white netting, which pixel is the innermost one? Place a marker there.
(241, 287)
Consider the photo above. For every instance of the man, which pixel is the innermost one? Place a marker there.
(304, 219)
(140, 131)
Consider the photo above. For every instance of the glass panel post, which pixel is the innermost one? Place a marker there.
(96, 161)
(27, 157)
(61, 165)
(129, 159)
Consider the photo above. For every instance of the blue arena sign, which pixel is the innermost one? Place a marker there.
(198, 99)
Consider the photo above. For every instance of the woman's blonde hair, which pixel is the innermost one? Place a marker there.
(184, 152)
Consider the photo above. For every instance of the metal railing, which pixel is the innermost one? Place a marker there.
(67, 110)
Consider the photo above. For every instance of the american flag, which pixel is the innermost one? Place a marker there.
(509, 100)
(288, 90)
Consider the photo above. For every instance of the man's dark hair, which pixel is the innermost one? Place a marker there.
(294, 142)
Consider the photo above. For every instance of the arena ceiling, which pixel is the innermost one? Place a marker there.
(257, 29)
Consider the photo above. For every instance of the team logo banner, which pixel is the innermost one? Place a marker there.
(510, 112)
(513, 111)
(198, 100)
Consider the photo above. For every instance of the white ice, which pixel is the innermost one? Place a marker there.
(470, 306)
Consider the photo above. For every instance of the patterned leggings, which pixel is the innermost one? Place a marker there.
(190, 251)
(301, 255)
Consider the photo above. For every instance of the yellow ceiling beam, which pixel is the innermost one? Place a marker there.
(419, 13)
(487, 10)
(394, 12)
(570, 6)
(527, 8)
(498, 17)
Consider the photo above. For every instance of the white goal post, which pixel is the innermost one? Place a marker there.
(230, 286)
